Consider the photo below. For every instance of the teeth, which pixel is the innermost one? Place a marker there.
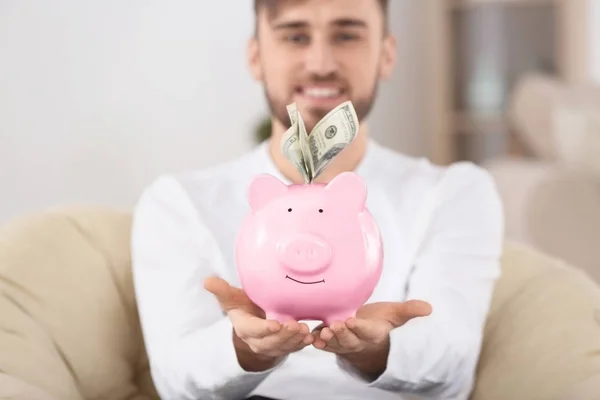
(321, 92)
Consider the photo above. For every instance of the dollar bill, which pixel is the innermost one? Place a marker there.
(293, 113)
(291, 146)
(304, 146)
(296, 119)
(311, 154)
(331, 135)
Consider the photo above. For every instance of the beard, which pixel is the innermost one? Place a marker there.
(277, 107)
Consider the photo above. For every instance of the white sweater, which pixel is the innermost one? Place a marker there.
(442, 229)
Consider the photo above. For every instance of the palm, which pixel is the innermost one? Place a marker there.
(370, 328)
(255, 337)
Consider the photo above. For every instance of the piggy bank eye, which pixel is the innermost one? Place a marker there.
(320, 210)
(289, 210)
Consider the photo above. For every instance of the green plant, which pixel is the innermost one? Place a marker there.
(263, 130)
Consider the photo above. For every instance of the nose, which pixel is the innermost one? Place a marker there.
(320, 59)
(304, 254)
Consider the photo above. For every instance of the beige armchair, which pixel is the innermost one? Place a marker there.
(69, 328)
(552, 198)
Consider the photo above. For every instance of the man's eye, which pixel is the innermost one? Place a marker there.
(346, 37)
(298, 39)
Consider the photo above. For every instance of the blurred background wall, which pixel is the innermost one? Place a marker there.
(594, 25)
(98, 98)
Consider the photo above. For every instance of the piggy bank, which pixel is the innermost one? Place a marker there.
(309, 251)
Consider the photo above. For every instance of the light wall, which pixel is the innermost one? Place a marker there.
(99, 97)
(594, 43)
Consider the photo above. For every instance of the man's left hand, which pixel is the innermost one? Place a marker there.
(364, 340)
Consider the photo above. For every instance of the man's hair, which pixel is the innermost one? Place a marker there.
(270, 5)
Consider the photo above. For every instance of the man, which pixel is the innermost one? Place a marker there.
(421, 331)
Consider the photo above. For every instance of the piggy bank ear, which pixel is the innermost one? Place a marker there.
(349, 190)
(263, 189)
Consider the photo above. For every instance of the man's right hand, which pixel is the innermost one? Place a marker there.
(259, 343)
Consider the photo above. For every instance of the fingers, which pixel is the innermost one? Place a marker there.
(217, 286)
(221, 290)
(299, 340)
(248, 326)
(372, 331)
(338, 338)
(371, 326)
(401, 313)
(318, 340)
(290, 337)
(228, 296)
(288, 332)
(417, 308)
(324, 337)
(396, 313)
(346, 338)
(266, 337)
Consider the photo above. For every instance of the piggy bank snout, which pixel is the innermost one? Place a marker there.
(304, 254)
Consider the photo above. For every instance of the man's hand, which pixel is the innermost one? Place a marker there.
(364, 340)
(259, 343)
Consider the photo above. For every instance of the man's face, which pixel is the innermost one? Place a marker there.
(320, 53)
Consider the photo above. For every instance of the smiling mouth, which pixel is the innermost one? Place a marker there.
(320, 92)
(304, 283)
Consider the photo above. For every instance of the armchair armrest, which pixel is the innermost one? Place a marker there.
(542, 337)
(552, 208)
(12, 388)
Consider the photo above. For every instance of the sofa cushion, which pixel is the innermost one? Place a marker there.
(14, 388)
(542, 337)
(69, 323)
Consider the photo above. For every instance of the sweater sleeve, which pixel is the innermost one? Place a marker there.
(187, 337)
(456, 265)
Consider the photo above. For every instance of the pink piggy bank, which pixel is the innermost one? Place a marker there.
(309, 251)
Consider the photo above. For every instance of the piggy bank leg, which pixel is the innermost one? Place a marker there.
(340, 316)
(281, 318)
